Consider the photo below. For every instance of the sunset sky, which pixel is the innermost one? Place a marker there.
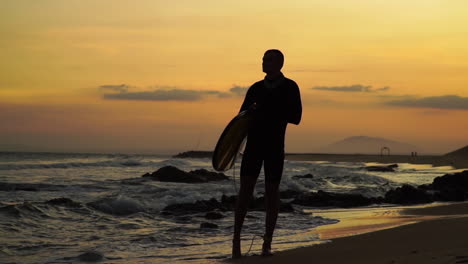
(150, 76)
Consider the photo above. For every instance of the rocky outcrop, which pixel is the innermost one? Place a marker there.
(307, 176)
(408, 194)
(451, 187)
(227, 203)
(389, 168)
(194, 154)
(326, 199)
(173, 174)
(196, 207)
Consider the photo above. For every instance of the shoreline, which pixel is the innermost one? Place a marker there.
(434, 160)
(434, 233)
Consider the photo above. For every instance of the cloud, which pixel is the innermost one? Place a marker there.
(157, 95)
(116, 88)
(438, 102)
(238, 90)
(121, 92)
(351, 88)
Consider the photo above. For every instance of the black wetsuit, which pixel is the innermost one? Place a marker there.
(277, 104)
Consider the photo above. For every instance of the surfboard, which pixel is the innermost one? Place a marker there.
(230, 141)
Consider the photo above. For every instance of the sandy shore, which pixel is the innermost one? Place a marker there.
(456, 162)
(436, 234)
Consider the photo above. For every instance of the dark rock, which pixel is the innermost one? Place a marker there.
(91, 256)
(326, 199)
(307, 176)
(214, 215)
(451, 187)
(194, 154)
(63, 202)
(389, 168)
(227, 203)
(208, 225)
(408, 194)
(173, 174)
(197, 207)
(288, 194)
(209, 175)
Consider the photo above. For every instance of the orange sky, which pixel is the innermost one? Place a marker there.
(155, 76)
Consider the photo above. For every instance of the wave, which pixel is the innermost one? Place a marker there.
(81, 164)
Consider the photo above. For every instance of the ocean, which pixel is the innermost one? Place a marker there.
(128, 226)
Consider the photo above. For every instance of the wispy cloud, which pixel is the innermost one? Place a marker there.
(121, 92)
(238, 90)
(355, 88)
(122, 88)
(438, 102)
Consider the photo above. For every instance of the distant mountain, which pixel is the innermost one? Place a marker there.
(463, 152)
(369, 145)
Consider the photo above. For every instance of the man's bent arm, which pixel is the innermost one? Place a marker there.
(295, 106)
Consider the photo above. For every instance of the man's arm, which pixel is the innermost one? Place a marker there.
(249, 100)
(294, 105)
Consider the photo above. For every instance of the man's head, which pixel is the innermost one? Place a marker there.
(273, 61)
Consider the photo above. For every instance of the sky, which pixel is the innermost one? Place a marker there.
(150, 76)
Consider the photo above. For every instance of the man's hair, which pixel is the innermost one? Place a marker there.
(278, 54)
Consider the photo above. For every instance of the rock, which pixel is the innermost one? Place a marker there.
(197, 207)
(173, 174)
(389, 168)
(288, 194)
(208, 225)
(194, 154)
(214, 215)
(92, 256)
(326, 199)
(227, 204)
(209, 175)
(307, 176)
(408, 194)
(451, 187)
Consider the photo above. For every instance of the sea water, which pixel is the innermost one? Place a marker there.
(132, 228)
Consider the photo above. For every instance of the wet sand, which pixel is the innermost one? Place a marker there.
(435, 234)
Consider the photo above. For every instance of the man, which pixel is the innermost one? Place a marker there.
(274, 102)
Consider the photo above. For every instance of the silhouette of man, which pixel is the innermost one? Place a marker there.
(274, 102)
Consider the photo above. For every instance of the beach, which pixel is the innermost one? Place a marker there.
(119, 208)
(435, 234)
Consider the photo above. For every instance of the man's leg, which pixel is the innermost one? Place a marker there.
(273, 173)
(245, 194)
(272, 203)
(250, 169)
(272, 207)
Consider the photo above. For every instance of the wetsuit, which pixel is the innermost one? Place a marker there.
(278, 103)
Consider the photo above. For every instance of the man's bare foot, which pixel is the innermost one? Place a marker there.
(236, 248)
(266, 248)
